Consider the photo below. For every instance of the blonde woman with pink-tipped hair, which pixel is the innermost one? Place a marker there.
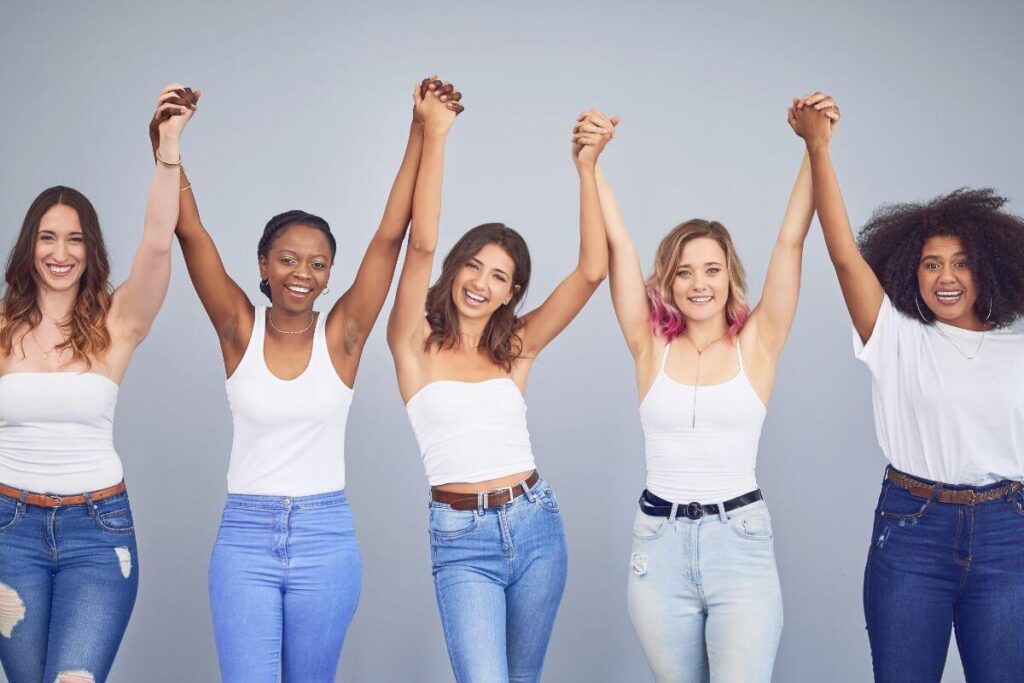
(704, 593)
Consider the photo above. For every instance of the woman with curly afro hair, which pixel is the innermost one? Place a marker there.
(933, 291)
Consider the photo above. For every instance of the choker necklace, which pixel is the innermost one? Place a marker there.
(957, 347)
(696, 381)
(312, 317)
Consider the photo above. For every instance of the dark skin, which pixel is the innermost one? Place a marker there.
(297, 269)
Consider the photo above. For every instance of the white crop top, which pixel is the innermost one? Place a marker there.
(471, 431)
(701, 441)
(56, 432)
(289, 436)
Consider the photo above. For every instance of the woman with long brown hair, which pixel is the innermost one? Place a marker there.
(497, 542)
(68, 563)
(704, 594)
(285, 573)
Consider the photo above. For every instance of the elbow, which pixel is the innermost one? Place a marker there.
(423, 247)
(594, 276)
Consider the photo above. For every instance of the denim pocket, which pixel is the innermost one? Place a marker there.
(648, 528)
(898, 505)
(546, 499)
(10, 513)
(116, 521)
(755, 525)
(446, 523)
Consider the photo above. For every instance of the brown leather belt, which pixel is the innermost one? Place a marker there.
(46, 500)
(921, 489)
(491, 499)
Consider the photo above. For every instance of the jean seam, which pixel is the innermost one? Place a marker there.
(17, 518)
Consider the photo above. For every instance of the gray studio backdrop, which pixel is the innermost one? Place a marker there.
(308, 106)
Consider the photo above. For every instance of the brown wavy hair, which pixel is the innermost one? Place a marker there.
(86, 327)
(666, 318)
(500, 337)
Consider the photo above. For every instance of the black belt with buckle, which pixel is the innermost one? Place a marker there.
(654, 506)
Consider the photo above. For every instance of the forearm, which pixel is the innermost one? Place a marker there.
(426, 203)
(828, 200)
(593, 262)
(162, 204)
(796, 222)
(398, 210)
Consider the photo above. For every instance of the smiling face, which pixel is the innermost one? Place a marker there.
(701, 284)
(60, 255)
(946, 284)
(483, 283)
(297, 267)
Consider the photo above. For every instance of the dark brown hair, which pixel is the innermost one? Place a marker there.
(86, 328)
(499, 337)
(893, 238)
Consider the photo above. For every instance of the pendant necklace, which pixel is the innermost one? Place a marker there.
(696, 382)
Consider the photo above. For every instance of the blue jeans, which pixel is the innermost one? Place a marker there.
(935, 566)
(704, 596)
(284, 584)
(499, 577)
(68, 580)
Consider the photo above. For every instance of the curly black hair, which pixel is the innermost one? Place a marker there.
(892, 240)
(283, 220)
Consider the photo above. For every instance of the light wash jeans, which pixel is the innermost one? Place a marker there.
(499, 577)
(68, 580)
(704, 596)
(284, 584)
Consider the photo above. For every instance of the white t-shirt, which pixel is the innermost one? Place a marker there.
(938, 415)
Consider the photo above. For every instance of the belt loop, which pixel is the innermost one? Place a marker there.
(936, 492)
(481, 503)
(723, 515)
(23, 502)
(91, 505)
(527, 492)
(672, 513)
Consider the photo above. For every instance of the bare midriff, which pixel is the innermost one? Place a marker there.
(484, 486)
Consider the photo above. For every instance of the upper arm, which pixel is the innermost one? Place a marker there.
(545, 322)
(861, 288)
(626, 280)
(226, 304)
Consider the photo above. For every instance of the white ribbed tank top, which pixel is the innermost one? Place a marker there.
(701, 441)
(289, 435)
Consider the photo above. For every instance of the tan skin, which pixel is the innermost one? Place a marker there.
(701, 291)
(944, 267)
(299, 259)
(60, 263)
(488, 275)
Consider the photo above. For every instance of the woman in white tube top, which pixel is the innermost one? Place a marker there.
(497, 542)
(68, 566)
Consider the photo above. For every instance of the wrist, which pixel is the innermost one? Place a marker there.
(817, 148)
(435, 131)
(169, 149)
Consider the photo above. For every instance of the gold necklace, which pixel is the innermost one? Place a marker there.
(957, 347)
(312, 317)
(696, 381)
(46, 354)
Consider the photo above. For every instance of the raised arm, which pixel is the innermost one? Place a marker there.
(406, 323)
(773, 316)
(137, 301)
(226, 304)
(625, 276)
(543, 324)
(355, 312)
(861, 289)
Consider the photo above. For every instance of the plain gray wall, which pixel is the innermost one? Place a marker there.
(308, 106)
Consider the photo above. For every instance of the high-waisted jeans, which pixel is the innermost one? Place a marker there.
(284, 583)
(704, 596)
(68, 580)
(499, 576)
(936, 566)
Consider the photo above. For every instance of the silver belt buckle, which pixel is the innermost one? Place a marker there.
(503, 489)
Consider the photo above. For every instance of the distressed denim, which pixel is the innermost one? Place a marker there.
(704, 596)
(68, 580)
(499, 576)
(284, 583)
(934, 567)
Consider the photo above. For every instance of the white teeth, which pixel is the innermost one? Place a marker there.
(948, 296)
(474, 297)
(300, 290)
(59, 270)
(700, 299)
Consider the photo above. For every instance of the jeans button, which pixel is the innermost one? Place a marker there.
(287, 502)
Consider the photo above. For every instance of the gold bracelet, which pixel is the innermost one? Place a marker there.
(164, 162)
(182, 189)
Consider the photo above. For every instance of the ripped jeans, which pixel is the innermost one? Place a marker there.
(68, 580)
(704, 596)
